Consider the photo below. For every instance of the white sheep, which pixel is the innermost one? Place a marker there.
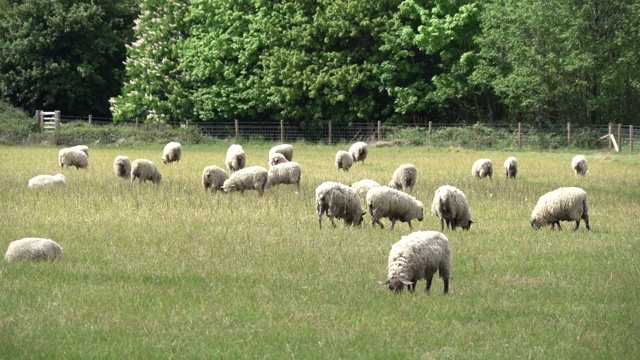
(482, 168)
(250, 178)
(450, 205)
(33, 249)
(285, 173)
(344, 161)
(404, 177)
(144, 170)
(285, 149)
(579, 165)
(563, 204)
(48, 181)
(122, 166)
(83, 148)
(363, 186)
(172, 153)
(236, 158)
(73, 157)
(384, 201)
(276, 158)
(511, 167)
(213, 177)
(359, 151)
(416, 256)
(340, 201)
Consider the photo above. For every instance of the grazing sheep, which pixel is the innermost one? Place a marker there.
(144, 170)
(451, 206)
(363, 186)
(33, 249)
(579, 165)
(122, 166)
(511, 167)
(276, 158)
(359, 151)
(404, 177)
(340, 201)
(416, 256)
(172, 153)
(251, 178)
(343, 160)
(285, 149)
(482, 168)
(83, 148)
(73, 157)
(48, 181)
(563, 204)
(384, 201)
(236, 158)
(285, 173)
(213, 178)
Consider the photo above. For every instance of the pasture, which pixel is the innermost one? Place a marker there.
(171, 272)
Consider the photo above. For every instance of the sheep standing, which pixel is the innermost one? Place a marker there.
(144, 170)
(359, 151)
(340, 201)
(122, 166)
(285, 149)
(73, 157)
(172, 153)
(363, 186)
(343, 160)
(48, 181)
(384, 201)
(285, 173)
(563, 204)
(83, 148)
(251, 178)
(482, 168)
(276, 158)
(213, 178)
(511, 167)
(404, 177)
(33, 249)
(236, 158)
(579, 165)
(451, 206)
(416, 256)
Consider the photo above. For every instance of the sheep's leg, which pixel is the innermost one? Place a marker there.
(429, 278)
(412, 286)
(558, 223)
(393, 224)
(410, 227)
(320, 220)
(586, 221)
(332, 222)
(446, 284)
(577, 225)
(442, 224)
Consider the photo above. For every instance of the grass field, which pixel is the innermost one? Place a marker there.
(170, 272)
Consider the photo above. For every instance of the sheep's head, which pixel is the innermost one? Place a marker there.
(396, 284)
(467, 226)
(228, 186)
(535, 224)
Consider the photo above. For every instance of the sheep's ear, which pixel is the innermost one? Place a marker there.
(406, 282)
(384, 282)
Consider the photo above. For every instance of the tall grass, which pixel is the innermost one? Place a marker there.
(169, 271)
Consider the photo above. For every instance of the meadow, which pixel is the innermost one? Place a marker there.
(171, 272)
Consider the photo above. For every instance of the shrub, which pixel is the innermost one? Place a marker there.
(15, 125)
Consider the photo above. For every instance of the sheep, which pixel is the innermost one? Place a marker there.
(359, 151)
(285, 149)
(482, 168)
(451, 206)
(285, 173)
(122, 166)
(172, 153)
(33, 249)
(144, 170)
(73, 157)
(83, 148)
(251, 178)
(511, 167)
(579, 165)
(213, 178)
(562, 204)
(363, 186)
(276, 158)
(418, 256)
(343, 160)
(340, 201)
(236, 158)
(404, 177)
(48, 181)
(384, 201)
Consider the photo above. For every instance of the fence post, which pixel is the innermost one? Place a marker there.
(430, 127)
(40, 120)
(569, 133)
(519, 134)
(630, 138)
(379, 130)
(282, 131)
(619, 136)
(90, 119)
(329, 132)
(186, 123)
(236, 124)
(137, 124)
(610, 132)
(57, 119)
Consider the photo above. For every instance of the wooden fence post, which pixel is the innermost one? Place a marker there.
(90, 119)
(620, 136)
(40, 120)
(519, 134)
(137, 123)
(237, 129)
(282, 131)
(630, 138)
(610, 133)
(430, 127)
(379, 130)
(330, 132)
(57, 119)
(569, 133)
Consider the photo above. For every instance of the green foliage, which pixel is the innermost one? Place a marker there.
(15, 124)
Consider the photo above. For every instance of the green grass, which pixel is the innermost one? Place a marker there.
(168, 271)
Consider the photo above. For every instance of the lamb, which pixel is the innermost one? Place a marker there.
(48, 181)
(83, 148)
(34, 249)
(172, 153)
(359, 151)
(363, 186)
(562, 204)
(451, 206)
(122, 166)
(404, 177)
(236, 158)
(73, 157)
(144, 170)
(285, 149)
(213, 178)
(251, 178)
(384, 201)
(340, 201)
(482, 168)
(579, 165)
(285, 173)
(511, 167)
(276, 158)
(343, 160)
(418, 256)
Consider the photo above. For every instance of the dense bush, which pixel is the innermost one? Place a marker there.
(15, 125)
